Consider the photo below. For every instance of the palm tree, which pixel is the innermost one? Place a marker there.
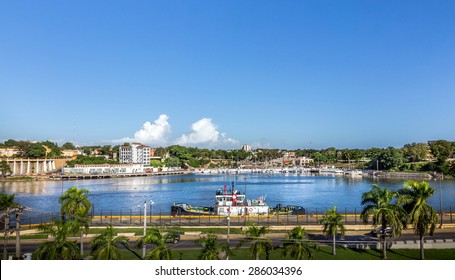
(298, 246)
(333, 223)
(259, 243)
(423, 217)
(157, 237)
(7, 200)
(59, 248)
(378, 203)
(105, 246)
(7, 207)
(75, 206)
(211, 249)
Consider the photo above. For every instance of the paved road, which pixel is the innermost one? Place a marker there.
(352, 239)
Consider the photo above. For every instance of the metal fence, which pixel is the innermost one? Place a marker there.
(135, 217)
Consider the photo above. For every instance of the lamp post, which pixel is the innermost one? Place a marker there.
(229, 229)
(440, 198)
(144, 246)
(151, 209)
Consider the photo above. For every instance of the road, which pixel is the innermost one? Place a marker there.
(350, 239)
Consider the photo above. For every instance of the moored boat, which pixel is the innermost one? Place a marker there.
(188, 209)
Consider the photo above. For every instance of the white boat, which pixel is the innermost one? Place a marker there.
(234, 203)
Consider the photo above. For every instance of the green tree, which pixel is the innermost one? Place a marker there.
(68, 146)
(441, 149)
(59, 248)
(211, 249)
(156, 236)
(36, 150)
(333, 223)
(75, 206)
(4, 168)
(378, 203)
(298, 246)
(416, 152)
(260, 245)
(7, 200)
(106, 245)
(422, 216)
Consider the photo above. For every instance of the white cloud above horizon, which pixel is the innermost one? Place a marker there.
(202, 133)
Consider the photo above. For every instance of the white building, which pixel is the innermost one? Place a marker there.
(247, 148)
(136, 153)
(105, 169)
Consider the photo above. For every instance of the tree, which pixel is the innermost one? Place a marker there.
(378, 203)
(333, 223)
(416, 152)
(4, 168)
(298, 246)
(441, 149)
(59, 248)
(36, 150)
(75, 206)
(106, 245)
(422, 216)
(7, 200)
(211, 249)
(156, 236)
(68, 146)
(260, 245)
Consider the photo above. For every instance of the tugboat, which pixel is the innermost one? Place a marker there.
(235, 203)
(226, 203)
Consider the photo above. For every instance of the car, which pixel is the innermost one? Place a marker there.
(173, 237)
(380, 231)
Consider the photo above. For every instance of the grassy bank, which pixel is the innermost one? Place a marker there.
(325, 253)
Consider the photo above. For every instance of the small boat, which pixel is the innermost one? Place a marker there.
(288, 210)
(188, 209)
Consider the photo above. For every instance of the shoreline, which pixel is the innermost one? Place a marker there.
(74, 177)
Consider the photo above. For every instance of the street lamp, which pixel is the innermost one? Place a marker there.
(440, 198)
(151, 209)
(144, 246)
(229, 228)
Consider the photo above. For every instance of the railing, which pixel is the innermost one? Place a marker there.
(135, 217)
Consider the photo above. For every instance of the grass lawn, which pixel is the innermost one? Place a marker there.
(325, 253)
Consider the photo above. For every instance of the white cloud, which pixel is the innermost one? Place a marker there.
(154, 134)
(205, 132)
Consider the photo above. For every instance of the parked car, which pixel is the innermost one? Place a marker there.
(380, 231)
(173, 237)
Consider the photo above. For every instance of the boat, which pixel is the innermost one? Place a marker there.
(287, 210)
(188, 209)
(235, 203)
(226, 203)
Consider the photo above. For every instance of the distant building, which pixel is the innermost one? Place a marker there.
(303, 161)
(136, 153)
(70, 153)
(105, 169)
(8, 152)
(246, 148)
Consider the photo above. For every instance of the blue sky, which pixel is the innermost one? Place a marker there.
(219, 74)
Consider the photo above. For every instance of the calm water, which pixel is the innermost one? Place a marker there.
(310, 192)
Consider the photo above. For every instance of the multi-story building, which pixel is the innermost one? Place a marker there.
(136, 153)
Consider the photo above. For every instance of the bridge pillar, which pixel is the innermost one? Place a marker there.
(28, 166)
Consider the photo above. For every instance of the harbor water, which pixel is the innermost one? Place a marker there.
(129, 194)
